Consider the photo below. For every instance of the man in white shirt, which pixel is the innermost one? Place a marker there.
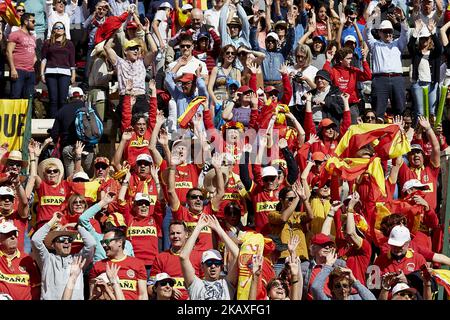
(387, 70)
(212, 15)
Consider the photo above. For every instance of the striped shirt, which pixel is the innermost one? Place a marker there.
(131, 76)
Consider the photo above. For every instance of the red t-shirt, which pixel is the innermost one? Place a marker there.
(186, 178)
(410, 263)
(204, 241)
(20, 277)
(131, 270)
(358, 259)
(169, 263)
(136, 146)
(51, 198)
(143, 235)
(234, 191)
(264, 202)
(24, 54)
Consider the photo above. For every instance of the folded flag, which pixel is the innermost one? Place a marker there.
(191, 110)
(388, 140)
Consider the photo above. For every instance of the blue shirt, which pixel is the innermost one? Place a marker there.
(38, 8)
(243, 39)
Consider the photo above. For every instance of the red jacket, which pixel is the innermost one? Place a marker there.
(347, 78)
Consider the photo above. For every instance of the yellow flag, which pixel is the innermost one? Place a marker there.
(13, 114)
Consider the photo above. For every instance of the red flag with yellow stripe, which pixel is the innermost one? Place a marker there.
(388, 140)
(190, 111)
(8, 13)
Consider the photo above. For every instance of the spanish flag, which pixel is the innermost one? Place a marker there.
(87, 189)
(442, 277)
(387, 139)
(191, 110)
(8, 13)
(351, 168)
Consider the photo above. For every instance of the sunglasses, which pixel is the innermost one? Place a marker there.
(290, 198)
(370, 118)
(242, 53)
(58, 28)
(211, 262)
(141, 203)
(269, 179)
(234, 26)
(20, 10)
(142, 163)
(388, 31)
(7, 197)
(63, 2)
(196, 197)
(135, 48)
(64, 239)
(166, 282)
(234, 213)
(32, 21)
(278, 284)
(185, 46)
(79, 202)
(341, 286)
(13, 164)
(101, 166)
(230, 53)
(273, 93)
(50, 171)
(102, 8)
(406, 294)
(107, 241)
(271, 40)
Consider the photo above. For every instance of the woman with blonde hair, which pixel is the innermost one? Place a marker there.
(58, 67)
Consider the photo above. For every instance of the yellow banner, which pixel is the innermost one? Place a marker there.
(13, 114)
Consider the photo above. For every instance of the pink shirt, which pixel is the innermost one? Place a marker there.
(24, 53)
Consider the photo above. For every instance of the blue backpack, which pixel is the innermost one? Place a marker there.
(88, 125)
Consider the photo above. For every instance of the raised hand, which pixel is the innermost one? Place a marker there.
(253, 66)
(146, 25)
(175, 159)
(203, 221)
(163, 137)
(431, 25)
(293, 243)
(152, 85)
(313, 138)
(257, 261)
(112, 272)
(345, 96)
(418, 24)
(154, 169)
(354, 199)
(127, 134)
(308, 96)
(300, 191)
(109, 197)
(424, 123)
(254, 99)
(335, 206)
(331, 257)
(79, 147)
(284, 68)
(76, 266)
(213, 223)
(282, 143)
(421, 201)
(57, 217)
(216, 160)
(329, 54)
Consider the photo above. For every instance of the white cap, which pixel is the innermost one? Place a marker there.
(386, 24)
(141, 196)
(413, 183)
(401, 286)
(269, 171)
(187, 6)
(424, 33)
(399, 236)
(165, 5)
(211, 254)
(6, 191)
(273, 35)
(144, 157)
(7, 227)
(162, 276)
(80, 175)
(5, 296)
(350, 38)
(75, 92)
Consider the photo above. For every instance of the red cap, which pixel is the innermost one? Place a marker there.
(326, 123)
(132, 24)
(318, 156)
(321, 239)
(245, 89)
(270, 89)
(186, 77)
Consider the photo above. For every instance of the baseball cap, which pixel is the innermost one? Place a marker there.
(321, 239)
(141, 196)
(7, 227)
(269, 171)
(270, 89)
(318, 156)
(416, 147)
(321, 39)
(187, 6)
(186, 77)
(179, 141)
(163, 276)
(350, 38)
(245, 89)
(399, 236)
(273, 35)
(132, 24)
(211, 254)
(325, 123)
(203, 35)
(165, 5)
(81, 176)
(414, 183)
(75, 92)
(235, 21)
(385, 24)
(401, 286)
(131, 43)
(232, 82)
(144, 157)
(6, 191)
